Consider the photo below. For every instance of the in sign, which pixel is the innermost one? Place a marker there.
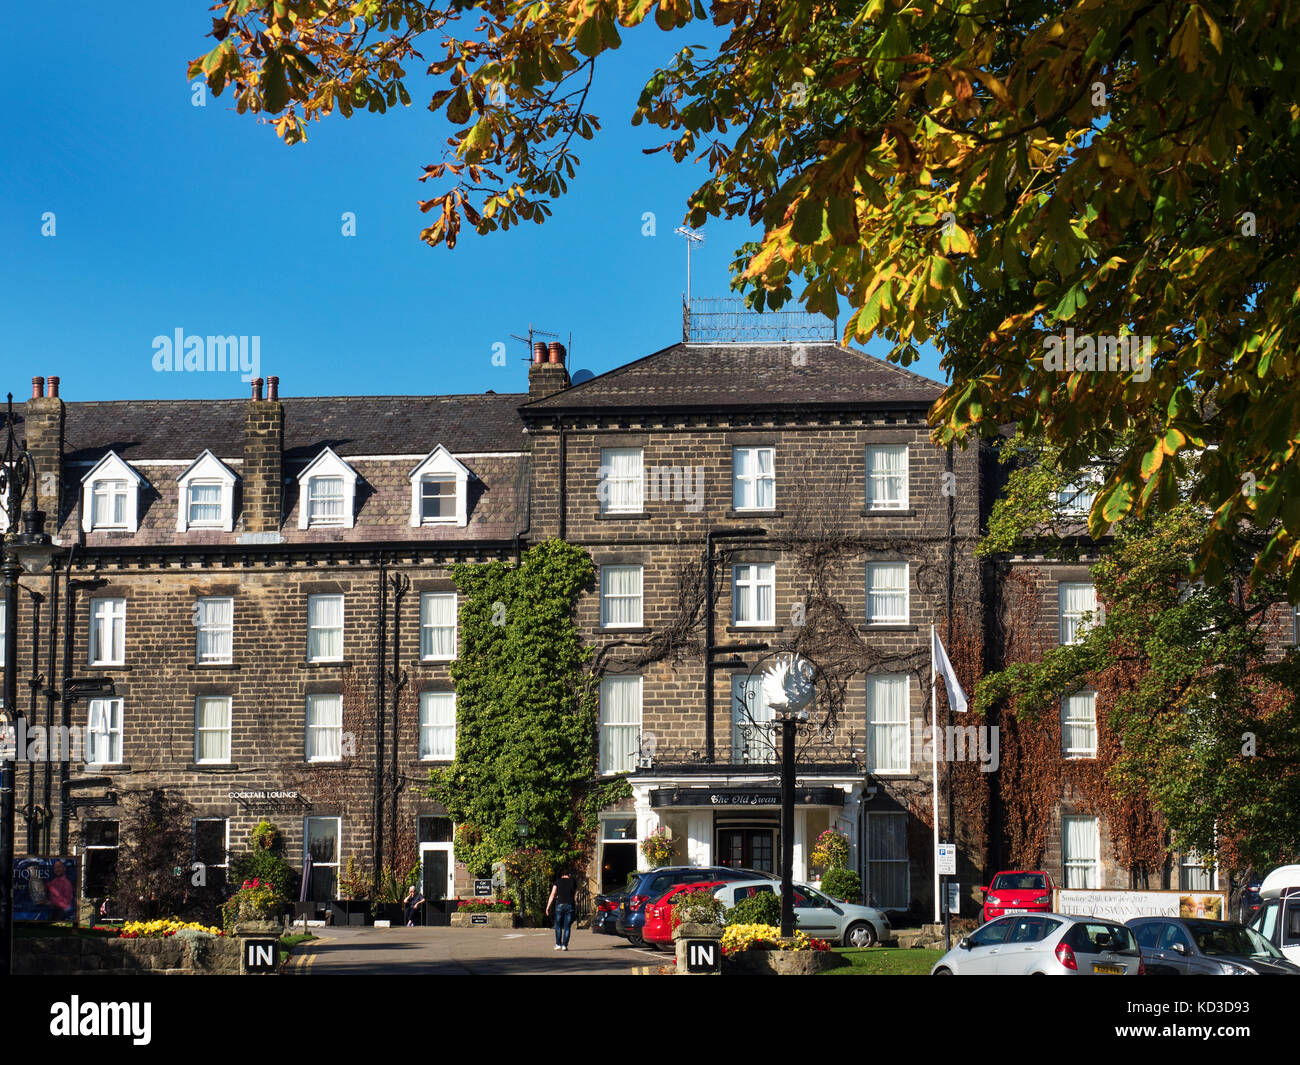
(702, 955)
(260, 955)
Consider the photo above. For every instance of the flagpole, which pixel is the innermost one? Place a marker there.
(934, 760)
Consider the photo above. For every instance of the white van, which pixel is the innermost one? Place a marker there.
(1278, 919)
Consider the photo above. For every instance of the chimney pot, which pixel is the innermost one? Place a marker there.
(539, 353)
(257, 389)
(273, 388)
(38, 387)
(557, 352)
(52, 388)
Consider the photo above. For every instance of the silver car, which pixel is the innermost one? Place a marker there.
(1044, 944)
(819, 915)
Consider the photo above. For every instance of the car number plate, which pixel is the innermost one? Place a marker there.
(1108, 970)
(1020, 910)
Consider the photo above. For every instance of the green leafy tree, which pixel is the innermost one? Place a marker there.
(526, 711)
(153, 871)
(981, 176)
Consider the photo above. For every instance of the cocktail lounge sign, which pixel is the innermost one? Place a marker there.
(269, 800)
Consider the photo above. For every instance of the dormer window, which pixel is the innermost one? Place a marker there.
(328, 488)
(206, 495)
(439, 490)
(110, 496)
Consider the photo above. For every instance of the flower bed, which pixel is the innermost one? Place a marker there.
(741, 937)
(485, 906)
(162, 928)
(759, 949)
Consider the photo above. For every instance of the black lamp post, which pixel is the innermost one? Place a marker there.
(25, 549)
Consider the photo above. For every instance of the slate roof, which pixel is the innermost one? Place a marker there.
(704, 376)
(352, 425)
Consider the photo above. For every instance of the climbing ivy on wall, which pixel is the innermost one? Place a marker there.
(527, 712)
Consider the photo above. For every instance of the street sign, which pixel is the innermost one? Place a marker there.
(703, 955)
(483, 888)
(261, 955)
(954, 899)
(478, 918)
(946, 859)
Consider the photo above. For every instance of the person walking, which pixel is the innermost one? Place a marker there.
(563, 892)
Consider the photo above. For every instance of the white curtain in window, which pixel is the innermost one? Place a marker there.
(888, 714)
(887, 591)
(621, 469)
(754, 593)
(205, 504)
(326, 498)
(753, 483)
(1081, 844)
(620, 599)
(105, 731)
(215, 629)
(438, 725)
(748, 703)
(212, 720)
(620, 723)
(1076, 599)
(438, 625)
(107, 630)
(886, 476)
(324, 727)
(324, 626)
(1079, 725)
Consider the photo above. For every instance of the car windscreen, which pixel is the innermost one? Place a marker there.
(1230, 940)
(1098, 937)
(1019, 882)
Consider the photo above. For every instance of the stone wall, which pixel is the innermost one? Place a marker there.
(95, 956)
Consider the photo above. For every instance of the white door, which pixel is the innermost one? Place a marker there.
(437, 873)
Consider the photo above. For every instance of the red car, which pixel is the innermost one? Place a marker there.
(658, 931)
(1018, 891)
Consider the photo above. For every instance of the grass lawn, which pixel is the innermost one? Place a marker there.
(287, 943)
(886, 961)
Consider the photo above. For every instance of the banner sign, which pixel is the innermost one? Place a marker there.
(1121, 906)
(45, 889)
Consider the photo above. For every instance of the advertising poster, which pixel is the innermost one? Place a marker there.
(1122, 906)
(45, 889)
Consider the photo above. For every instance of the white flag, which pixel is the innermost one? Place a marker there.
(956, 697)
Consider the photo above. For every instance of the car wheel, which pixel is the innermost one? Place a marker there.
(860, 934)
(943, 972)
(634, 939)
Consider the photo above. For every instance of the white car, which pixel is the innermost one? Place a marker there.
(1044, 944)
(1278, 918)
(819, 915)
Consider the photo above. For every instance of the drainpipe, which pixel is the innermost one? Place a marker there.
(51, 693)
(34, 686)
(564, 475)
(377, 805)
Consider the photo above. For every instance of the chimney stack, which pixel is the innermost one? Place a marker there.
(43, 426)
(273, 389)
(548, 374)
(263, 472)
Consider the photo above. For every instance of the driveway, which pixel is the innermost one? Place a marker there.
(467, 951)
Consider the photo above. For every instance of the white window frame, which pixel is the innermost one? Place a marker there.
(426, 600)
(95, 721)
(204, 626)
(312, 601)
(747, 478)
(431, 721)
(635, 482)
(315, 702)
(440, 465)
(745, 589)
(1068, 864)
(608, 598)
(111, 470)
(889, 727)
(327, 465)
(223, 865)
(876, 500)
(906, 591)
(606, 684)
(905, 861)
(110, 610)
(1073, 620)
(1189, 865)
(226, 729)
(760, 748)
(206, 471)
(1088, 720)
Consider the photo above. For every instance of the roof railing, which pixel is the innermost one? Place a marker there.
(726, 320)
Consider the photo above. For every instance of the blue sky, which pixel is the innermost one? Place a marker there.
(169, 216)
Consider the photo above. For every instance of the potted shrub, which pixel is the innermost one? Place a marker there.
(353, 904)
